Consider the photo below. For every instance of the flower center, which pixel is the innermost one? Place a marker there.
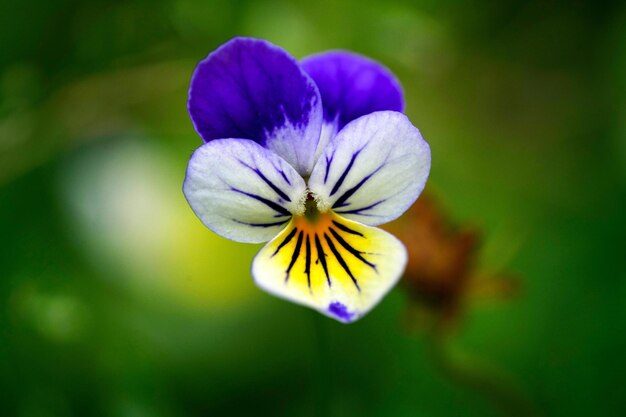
(311, 212)
(311, 206)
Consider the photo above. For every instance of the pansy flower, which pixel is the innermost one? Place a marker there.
(309, 156)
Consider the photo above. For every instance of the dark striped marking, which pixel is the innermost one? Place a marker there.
(261, 224)
(347, 229)
(359, 210)
(267, 181)
(345, 173)
(280, 209)
(341, 261)
(286, 240)
(351, 249)
(307, 268)
(341, 201)
(272, 186)
(321, 256)
(328, 162)
(284, 175)
(294, 255)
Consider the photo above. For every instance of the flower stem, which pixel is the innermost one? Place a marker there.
(322, 372)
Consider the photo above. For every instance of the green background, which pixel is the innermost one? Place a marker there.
(116, 301)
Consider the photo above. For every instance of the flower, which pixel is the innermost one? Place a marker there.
(308, 156)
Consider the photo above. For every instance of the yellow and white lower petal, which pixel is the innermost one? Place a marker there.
(337, 266)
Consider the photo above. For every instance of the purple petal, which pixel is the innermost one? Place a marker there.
(249, 88)
(352, 86)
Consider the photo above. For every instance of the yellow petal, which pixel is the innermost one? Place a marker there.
(339, 267)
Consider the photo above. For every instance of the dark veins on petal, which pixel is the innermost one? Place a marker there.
(329, 160)
(345, 173)
(346, 228)
(341, 261)
(360, 211)
(321, 257)
(349, 248)
(304, 241)
(261, 224)
(307, 268)
(273, 186)
(274, 206)
(285, 241)
(341, 201)
(283, 175)
(294, 255)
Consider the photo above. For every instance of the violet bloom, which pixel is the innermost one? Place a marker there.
(308, 156)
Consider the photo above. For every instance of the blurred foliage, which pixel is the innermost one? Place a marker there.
(118, 302)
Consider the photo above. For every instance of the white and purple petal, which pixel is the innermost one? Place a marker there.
(243, 191)
(250, 88)
(351, 86)
(373, 170)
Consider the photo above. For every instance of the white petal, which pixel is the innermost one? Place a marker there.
(241, 190)
(373, 169)
(339, 267)
(329, 130)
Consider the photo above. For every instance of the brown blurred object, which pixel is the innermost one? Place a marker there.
(442, 271)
